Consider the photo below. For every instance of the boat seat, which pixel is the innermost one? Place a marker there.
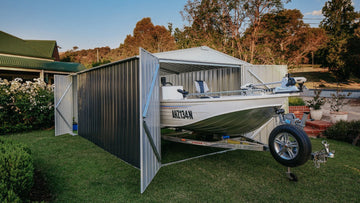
(202, 87)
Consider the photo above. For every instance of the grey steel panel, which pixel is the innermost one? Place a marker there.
(75, 100)
(221, 79)
(149, 91)
(109, 108)
(267, 73)
(63, 101)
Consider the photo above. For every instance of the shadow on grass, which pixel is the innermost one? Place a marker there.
(316, 76)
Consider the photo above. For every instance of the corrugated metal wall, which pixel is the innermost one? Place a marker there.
(150, 103)
(109, 109)
(63, 100)
(267, 73)
(221, 79)
(75, 98)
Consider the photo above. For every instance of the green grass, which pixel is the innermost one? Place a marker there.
(316, 76)
(78, 171)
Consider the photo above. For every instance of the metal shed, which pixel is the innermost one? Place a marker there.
(117, 105)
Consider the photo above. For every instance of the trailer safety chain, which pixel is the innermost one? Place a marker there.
(320, 157)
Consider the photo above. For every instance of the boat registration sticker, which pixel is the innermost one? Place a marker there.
(182, 114)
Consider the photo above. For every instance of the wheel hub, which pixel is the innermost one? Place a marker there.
(286, 146)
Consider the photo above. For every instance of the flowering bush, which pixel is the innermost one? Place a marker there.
(25, 106)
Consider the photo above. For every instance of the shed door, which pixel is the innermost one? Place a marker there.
(150, 137)
(63, 101)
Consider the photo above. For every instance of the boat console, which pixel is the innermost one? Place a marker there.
(288, 84)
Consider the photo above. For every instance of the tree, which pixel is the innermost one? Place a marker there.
(283, 38)
(339, 22)
(209, 22)
(218, 24)
(353, 54)
(146, 35)
(339, 18)
(255, 10)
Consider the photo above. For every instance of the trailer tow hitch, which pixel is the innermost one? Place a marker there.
(321, 157)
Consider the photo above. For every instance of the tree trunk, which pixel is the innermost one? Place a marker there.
(356, 139)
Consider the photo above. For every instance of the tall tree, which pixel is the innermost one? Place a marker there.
(283, 38)
(146, 35)
(209, 22)
(339, 18)
(255, 10)
(339, 22)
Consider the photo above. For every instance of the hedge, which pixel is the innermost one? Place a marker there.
(348, 131)
(25, 106)
(16, 171)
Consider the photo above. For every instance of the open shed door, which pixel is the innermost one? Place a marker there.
(63, 101)
(150, 137)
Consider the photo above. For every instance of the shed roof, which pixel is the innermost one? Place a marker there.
(201, 54)
(29, 63)
(33, 48)
(195, 59)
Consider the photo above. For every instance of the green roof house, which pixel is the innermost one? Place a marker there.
(29, 59)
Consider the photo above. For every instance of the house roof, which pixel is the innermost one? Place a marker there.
(33, 48)
(29, 63)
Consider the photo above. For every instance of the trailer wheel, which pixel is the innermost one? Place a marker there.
(289, 145)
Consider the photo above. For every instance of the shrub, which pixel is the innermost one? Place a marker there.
(337, 100)
(348, 131)
(16, 171)
(25, 106)
(316, 102)
(296, 101)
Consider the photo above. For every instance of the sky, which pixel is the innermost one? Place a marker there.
(88, 24)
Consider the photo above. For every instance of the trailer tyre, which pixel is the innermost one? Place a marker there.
(290, 145)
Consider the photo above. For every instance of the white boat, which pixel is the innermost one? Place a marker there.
(226, 115)
(236, 115)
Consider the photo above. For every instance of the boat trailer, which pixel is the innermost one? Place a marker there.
(288, 143)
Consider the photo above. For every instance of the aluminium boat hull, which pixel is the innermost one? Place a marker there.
(228, 115)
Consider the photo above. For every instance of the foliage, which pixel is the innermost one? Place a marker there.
(25, 106)
(339, 18)
(274, 36)
(337, 100)
(339, 23)
(285, 38)
(16, 171)
(90, 57)
(316, 102)
(152, 38)
(353, 53)
(296, 101)
(100, 63)
(348, 131)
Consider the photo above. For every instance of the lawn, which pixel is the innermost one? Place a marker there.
(76, 170)
(321, 78)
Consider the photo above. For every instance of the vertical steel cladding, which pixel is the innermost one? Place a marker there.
(109, 109)
(150, 136)
(63, 100)
(221, 79)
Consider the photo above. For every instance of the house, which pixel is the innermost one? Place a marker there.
(29, 59)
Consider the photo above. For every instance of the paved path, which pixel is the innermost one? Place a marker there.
(355, 94)
(352, 106)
